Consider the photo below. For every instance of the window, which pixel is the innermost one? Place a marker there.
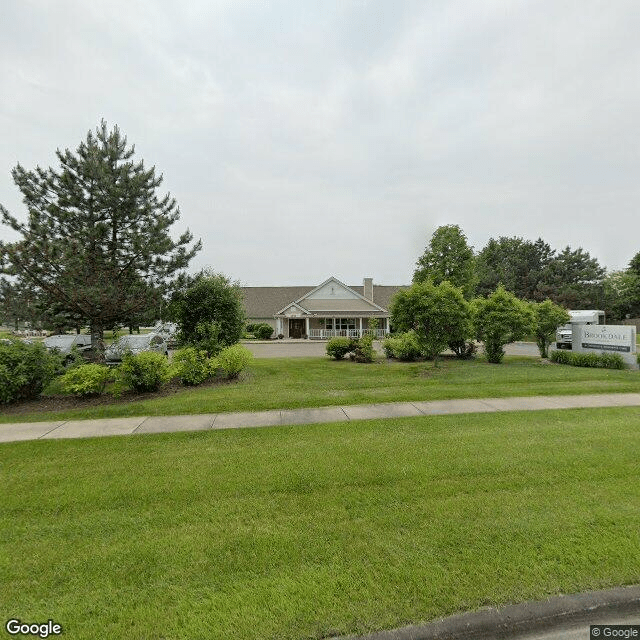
(341, 323)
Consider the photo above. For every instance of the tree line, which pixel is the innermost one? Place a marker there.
(531, 270)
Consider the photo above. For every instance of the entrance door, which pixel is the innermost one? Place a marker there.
(296, 327)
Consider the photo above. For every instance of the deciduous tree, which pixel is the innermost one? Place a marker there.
(500, 319)
(448, 257)
(548, 317)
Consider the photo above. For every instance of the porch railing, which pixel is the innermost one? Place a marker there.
(324, 334)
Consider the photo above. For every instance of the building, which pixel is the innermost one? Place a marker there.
(330, 309)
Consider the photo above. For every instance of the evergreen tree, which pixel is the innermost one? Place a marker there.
(96, 242)
(515, 263)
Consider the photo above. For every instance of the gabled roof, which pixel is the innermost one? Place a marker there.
(265, 302)
(297, 306)
(341, 284)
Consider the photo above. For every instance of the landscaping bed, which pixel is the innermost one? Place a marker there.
(290, 383)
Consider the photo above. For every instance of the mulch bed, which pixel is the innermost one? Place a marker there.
(64, 403)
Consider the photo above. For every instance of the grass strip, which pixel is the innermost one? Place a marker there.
(312, 382)
(308, 531)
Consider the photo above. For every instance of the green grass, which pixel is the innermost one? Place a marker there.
(308, 531)
(312, 382)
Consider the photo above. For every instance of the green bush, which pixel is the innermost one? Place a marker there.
(85, 379)
(402, 346)
(339, 347)
(263, 331)
(599, 360)
(146, 371)
(191, 366)
(363, 351)
(233, 360)
(25, 370)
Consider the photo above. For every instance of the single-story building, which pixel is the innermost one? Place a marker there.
(330, 309)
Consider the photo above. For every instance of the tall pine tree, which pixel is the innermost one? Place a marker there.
(96, 243)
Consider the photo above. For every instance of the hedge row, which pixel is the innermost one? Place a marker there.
(599, 360)
(26, 369)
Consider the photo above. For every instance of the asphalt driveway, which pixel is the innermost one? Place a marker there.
(309, 348)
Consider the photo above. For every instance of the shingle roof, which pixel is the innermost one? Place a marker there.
(265, 302)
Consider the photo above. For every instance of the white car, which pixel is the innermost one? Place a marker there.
(135, 344)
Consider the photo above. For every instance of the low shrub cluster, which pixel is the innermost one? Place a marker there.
(359, 350)
(86, 379)
(233, 360)
(402, 346)
(598, 360)
(339, 347)
(25, 370)
(260, 330)
(192, 366)
(146, 371)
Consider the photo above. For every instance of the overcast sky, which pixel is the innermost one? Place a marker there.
(306, 139)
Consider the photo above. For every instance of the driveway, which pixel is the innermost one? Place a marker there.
(309, 348)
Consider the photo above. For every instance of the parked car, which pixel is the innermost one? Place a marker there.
(169, 331)
(136, 344)
(64, 343)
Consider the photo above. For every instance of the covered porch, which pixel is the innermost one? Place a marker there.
(324, 328)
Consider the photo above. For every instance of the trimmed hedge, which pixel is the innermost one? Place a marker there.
(597, 360)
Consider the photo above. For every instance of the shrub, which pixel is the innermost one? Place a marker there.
(263, 331)
(363, 351)
(191, 366)
(338, 347)
(25, 370)
(600, 360)
(438, 314)
(233, 360)
(210, 312)
(402, 346)
(85, 379)
(146, 371)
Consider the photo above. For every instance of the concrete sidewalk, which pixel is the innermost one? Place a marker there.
(163, 424)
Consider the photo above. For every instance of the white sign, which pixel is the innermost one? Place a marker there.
(621, 339)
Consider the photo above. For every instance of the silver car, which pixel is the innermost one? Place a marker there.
(65, 342)
(135, 344)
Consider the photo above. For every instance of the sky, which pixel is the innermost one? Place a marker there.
(306, 139)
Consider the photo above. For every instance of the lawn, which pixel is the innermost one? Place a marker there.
(309, 531)
(312, 382)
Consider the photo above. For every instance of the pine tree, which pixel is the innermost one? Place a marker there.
(96, 242)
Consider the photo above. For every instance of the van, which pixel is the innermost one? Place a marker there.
(564, 334)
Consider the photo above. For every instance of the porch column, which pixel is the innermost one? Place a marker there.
(278, 326)
(333, 324)
(360, 327)
(306, 326)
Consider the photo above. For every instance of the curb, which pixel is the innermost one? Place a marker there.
(513, 620)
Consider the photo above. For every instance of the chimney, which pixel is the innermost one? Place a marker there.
(368, 289)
